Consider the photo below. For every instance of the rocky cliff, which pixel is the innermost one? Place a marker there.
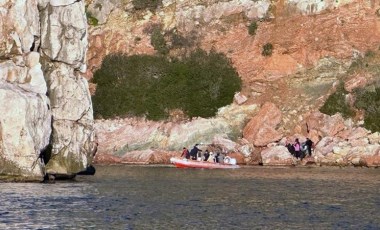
(46, 124)
(313, 45)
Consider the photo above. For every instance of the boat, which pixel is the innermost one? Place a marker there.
(229, 163)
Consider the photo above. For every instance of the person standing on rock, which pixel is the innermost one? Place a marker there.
(309, 143)
(297, 148)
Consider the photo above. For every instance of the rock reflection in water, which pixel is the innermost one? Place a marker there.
(135, 197)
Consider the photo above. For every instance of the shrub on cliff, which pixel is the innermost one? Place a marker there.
(267, 49)
(146, 4)
(336, 103)
(252, 28)
(151, 86)
(157, 40)
(368, 100)
(91, 20)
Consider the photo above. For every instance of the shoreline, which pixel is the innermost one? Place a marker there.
(136, 164)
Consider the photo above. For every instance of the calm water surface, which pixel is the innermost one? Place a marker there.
(138, 197)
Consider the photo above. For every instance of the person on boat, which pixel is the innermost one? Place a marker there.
(185, 153)
(211, 157)
(199, 156)
(216, 157)
(206, 155)
(221, 158)
(194, 152)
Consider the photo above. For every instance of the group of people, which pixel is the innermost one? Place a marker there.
(297, 149)
(300, 150)
(197, 154)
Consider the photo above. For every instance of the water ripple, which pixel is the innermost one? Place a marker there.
(126, 197)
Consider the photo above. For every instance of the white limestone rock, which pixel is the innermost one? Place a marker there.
(19, 25)
(73, 134)
(62, 2)
(35, 80)
(316, 6)
(120, 136)
(27, 117)
(64, 34)
(101, 9)
(25, 126)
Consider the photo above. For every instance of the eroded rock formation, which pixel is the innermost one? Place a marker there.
(45, 103)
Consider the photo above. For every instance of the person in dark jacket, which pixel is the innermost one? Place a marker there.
(309, 143)
(194, 152)
(206, 155)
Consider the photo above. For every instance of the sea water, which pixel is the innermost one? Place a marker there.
(152, 197)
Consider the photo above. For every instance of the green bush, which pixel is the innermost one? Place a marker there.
(336, 103)
(368, 100)
(158, 42)
(151, 86)
(146, 4)
(267, 49)
(252, 28)
(178, 41)
(91, 20)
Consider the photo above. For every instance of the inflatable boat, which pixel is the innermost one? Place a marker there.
(230, 163)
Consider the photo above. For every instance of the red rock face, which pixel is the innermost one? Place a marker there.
(299, 40)
(106, 159)
(357, 81)
(325, 125)
(261, 129)
(104, 42)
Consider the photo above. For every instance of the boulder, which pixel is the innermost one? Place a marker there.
(277, 156)
(239, 98)
(324, 124)
(25, 132)
(261, 129)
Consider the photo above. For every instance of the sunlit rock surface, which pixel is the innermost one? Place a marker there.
(45, 101)
(118, 137)
(261, 129)
(64, 42)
